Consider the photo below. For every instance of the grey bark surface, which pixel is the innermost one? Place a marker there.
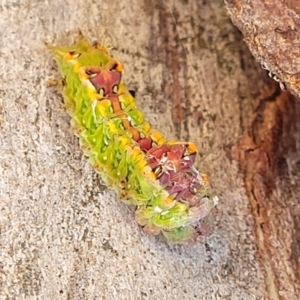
(66, 236)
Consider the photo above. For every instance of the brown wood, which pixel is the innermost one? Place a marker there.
(266, 154)
(269, 150)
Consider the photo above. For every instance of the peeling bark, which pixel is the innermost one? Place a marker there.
(264, 152)
(268, 150)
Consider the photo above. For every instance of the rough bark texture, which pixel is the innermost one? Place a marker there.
(271, 30)
(268, 152)
(66, 236)
(268, 155)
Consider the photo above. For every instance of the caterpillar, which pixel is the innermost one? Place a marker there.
(157, 176)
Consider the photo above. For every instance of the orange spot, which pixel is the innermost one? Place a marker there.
(205, 178)
(71, 56)
(135, 134)
(115, 104)
(157, 137)
(120, 67)
(169, 200)
(152, 176)
(192, 148)
(126, 123)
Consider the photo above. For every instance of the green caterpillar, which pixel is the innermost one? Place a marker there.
(155, 175)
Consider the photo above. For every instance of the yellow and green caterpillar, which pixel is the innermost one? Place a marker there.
(155, 175)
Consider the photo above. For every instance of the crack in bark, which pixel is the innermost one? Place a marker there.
(260, 151)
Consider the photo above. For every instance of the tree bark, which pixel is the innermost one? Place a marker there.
(66, 236)
(270, 29)
(269, 150)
